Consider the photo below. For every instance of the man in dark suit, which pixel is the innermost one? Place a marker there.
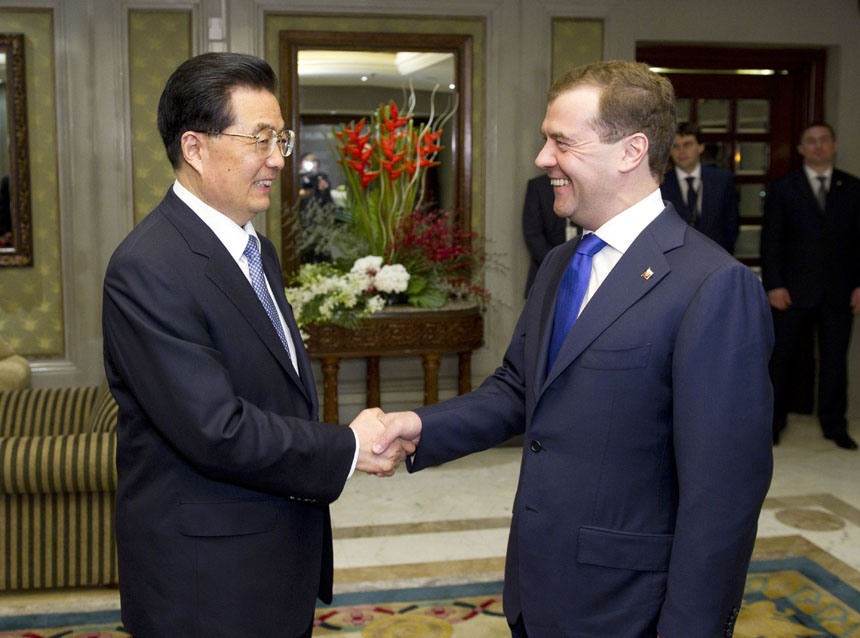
(703, 194)
(647, 452)
(543, 230)
(224, 473)
(810, 256)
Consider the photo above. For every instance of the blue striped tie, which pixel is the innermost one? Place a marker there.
(258, 281)
(571, 292)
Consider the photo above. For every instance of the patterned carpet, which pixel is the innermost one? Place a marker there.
(794, 589)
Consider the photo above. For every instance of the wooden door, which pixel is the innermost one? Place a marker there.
(751, 105)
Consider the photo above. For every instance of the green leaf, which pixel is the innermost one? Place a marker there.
(417, 283)
(429, 297)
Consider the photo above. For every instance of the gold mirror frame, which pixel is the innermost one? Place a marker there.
(291, 42)
(20, 253)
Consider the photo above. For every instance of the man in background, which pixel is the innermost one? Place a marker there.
(543, 230)
(810, 256)
(647, 453)
(224, 473)
(703, 194)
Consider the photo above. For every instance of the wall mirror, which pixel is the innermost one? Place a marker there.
(16, 236)
(329, 78)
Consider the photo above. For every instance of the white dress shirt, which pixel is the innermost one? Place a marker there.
(234, 238)
(812, 176)
(696, 174)
(618, 233)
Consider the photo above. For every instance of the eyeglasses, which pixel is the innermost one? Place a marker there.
(266, 141)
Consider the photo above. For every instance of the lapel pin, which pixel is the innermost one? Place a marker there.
(647, 274)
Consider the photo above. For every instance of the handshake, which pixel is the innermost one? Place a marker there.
(384, 440)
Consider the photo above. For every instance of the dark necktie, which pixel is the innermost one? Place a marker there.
(571, 292)
(258, 282)
(822, 192)
(692, 199)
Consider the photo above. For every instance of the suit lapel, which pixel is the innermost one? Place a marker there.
(709, 194)
(273, 274)
(539, 323)
(805, 188)
(641, 268)
(224, 273)
(836, 190)
(670, 189)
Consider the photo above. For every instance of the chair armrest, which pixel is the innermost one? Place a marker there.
(45, 411)
(58, 463)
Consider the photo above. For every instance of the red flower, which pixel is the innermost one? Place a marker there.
(368, 177)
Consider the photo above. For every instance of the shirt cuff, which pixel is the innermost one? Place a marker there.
(355, 457)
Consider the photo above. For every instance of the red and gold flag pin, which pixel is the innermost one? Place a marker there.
(647, 274)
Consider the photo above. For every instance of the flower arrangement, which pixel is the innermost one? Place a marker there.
(383, 162)
(431, 262)
(327, 294)
(384, 246)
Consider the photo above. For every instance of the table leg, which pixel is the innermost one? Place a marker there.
(431, 377)
(372, 382)
(330, 367)
(464, 372)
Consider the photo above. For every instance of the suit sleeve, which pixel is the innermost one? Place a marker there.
(731, 216)
(481, 419)
(722, 411)
(159, 344)
(534, 231)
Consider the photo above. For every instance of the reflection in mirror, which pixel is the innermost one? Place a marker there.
(332, 78)
(16, 239)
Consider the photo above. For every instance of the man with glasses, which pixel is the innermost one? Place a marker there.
(224, 472)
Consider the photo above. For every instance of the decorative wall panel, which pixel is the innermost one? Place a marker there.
(158, 42)
(31, 297)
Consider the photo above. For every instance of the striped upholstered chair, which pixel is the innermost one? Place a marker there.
(57, 488)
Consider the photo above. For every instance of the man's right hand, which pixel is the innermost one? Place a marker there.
(368, 427)
(779, 298)
(403, 426)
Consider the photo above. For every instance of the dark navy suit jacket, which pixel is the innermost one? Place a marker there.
(225, 476)
(647, 447)
(813, 253)
(718, 218)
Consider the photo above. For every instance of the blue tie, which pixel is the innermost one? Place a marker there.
(258, 281)
(571, 292)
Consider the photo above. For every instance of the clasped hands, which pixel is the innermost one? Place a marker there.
(384, 440)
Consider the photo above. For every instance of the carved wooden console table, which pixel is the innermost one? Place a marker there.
(398, 330)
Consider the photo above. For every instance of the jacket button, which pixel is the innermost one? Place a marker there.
(536, 446)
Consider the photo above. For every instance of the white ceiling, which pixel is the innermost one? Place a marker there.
(376, 68)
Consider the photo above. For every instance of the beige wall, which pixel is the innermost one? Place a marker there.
(95, 130)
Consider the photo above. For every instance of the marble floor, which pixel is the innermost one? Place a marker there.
(449, 525)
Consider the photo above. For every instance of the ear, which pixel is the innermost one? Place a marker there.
(194, 147)
(634, 152)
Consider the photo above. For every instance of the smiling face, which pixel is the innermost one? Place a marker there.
(581, 168)
(232, 176)
(686, 152)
